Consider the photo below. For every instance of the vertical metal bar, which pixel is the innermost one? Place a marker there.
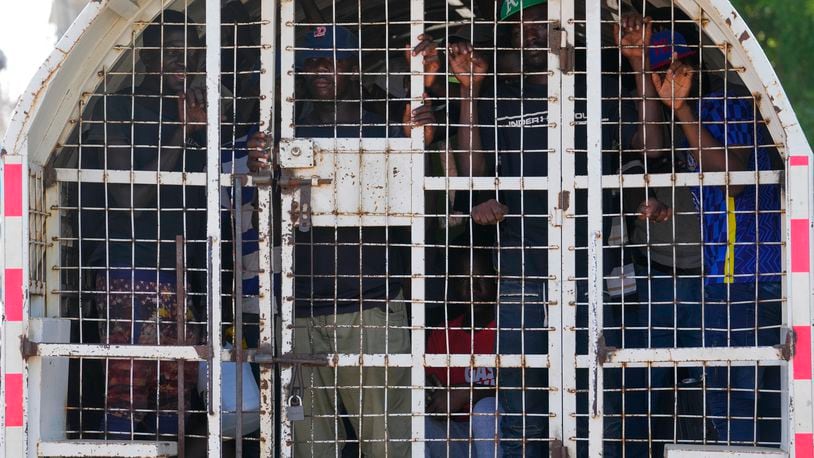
(268, 74)
(286, 223)
(593, 18)
(417, 232)
(796, 380)
(561, 300)
(213, 223)
(237, 344)
(181, 301)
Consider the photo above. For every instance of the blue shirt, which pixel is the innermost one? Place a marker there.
(741, 234)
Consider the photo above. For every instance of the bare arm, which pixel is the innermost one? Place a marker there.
(470, 69)
(707, 150)
(631, 36)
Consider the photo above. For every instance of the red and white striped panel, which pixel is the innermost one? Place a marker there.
(14, 294)
(800, 226)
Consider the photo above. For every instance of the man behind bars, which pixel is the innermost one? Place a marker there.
(511, 140)
(348, 280)
(157, 125)
(719, 131)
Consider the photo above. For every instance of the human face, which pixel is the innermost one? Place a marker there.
(532, 36)
(176, 59)
(325, 81)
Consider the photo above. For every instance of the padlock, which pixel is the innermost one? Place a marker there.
(295, 410)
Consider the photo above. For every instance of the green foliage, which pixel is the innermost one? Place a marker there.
(785, 29)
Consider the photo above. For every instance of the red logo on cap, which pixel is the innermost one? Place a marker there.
(661, 47)
(320, 31)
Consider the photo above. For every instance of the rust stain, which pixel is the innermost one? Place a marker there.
(744, 36)
(202, 351)
(564, 199)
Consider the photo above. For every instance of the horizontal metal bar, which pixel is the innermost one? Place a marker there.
(666, 180)
(402, 360)
(100, 351)
(198, 353)
(86, 448)
(704, 354)
(485, 183)
(708, 356)
(486, 360)
(720, 451)
(137, 177)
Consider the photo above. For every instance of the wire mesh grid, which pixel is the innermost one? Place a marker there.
(460, 242)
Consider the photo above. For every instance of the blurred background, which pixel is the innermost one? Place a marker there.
(785, 28)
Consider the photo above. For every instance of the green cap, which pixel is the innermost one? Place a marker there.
(511, 7)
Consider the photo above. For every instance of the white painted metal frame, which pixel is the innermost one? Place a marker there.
(213, 224)
(268, 306)
(399, 162)
(562, 284)
(726, 27)
(593, 11)
(287, 16)
(51, 99)
(107, 24)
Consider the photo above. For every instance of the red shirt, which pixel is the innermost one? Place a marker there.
(460, 342)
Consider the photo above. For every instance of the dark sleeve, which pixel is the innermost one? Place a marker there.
(632, 197)
(109, 125)
(630, 118)
(620, 120)
(486, 123)
(110, 121)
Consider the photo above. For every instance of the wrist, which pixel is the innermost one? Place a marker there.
(683, 113)
(637, 63)
(473, 89)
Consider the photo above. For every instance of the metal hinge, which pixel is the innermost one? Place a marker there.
(558, 450)
(563, 203)
(602, 350)
(789, 339)
(558, 38)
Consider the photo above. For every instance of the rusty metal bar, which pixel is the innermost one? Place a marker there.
(237, 341)
(213, 226)
(181, 307)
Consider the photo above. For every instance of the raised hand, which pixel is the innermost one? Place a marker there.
(421, 116)
(468, 66)
(192, 109)
(258, 152)
(428, 50)
(632, 35)
(675, 86)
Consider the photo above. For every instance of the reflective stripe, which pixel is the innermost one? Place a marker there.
(804, 445)
(13, 190)
(802, 353)
(729, 261)
(14, 400)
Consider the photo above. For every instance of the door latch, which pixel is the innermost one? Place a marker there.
(296, 153)
(305, 185)
(558, 42)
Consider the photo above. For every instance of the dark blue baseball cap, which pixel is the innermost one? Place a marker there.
(664, 44)
(319, 42)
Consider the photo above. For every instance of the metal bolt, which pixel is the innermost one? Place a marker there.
(296, 151)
